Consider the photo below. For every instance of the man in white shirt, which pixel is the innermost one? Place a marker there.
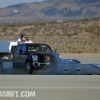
(21, 39)
(28, 40)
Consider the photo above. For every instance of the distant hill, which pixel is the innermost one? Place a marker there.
(50, 10)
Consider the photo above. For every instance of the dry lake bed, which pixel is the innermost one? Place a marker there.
(54, 87)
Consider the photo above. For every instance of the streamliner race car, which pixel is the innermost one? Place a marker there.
(72, 66)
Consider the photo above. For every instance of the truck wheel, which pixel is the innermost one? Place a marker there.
(29, 68)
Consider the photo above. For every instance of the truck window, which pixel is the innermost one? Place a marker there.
(17, 49)
(44, 48)
(23, 48)
(39, 47)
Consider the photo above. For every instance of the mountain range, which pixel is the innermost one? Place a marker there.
(50, 10)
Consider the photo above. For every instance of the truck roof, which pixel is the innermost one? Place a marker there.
(33, 44)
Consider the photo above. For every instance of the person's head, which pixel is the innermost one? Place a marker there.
(28, 38)
(22, 36)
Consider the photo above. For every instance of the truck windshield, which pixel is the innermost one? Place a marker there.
(39, 48)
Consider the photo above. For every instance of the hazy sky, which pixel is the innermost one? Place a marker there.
(5, 3)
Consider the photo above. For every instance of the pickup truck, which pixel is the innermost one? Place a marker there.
(31, 56)
(24, 56)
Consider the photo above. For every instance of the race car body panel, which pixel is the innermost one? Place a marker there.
(71, 66)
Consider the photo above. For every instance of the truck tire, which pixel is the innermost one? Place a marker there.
(29, 68)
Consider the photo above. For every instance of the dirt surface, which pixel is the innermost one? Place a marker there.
(52, 87)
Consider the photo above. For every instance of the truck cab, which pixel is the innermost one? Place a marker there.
(31, 56)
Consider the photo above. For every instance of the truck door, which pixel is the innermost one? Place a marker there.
(16, 57)
(23, 56)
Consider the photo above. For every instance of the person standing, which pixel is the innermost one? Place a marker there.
(21, 39)
(28, 40)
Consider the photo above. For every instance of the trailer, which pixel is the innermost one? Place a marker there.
(6, 54)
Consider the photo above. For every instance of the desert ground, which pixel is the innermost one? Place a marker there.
(55, 87)
(52, 87)
(81, 36)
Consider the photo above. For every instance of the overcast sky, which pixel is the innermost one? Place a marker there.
(5, 3)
